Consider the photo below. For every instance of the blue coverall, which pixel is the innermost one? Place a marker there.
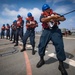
(29, 33)
(55, 36)
(19, 32)
(8, 33)
(2, 33)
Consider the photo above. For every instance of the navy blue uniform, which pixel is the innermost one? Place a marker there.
(13, 32)
(7, 31)
(2, 32)
(22, 27)
(54, 34)
(19, 30)
(30, 32)
(50, 21)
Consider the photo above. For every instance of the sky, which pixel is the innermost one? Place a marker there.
(9, 9)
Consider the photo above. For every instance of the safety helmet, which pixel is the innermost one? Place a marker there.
(3, 24)
(18, 16)
(45, 7)
(14, 21)
(29, 14)
(7, 24)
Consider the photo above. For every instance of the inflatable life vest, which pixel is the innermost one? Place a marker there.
(13, 27)
(3, 28)
(31, 26)
(7, 27)
(19, 21)
(45, 14)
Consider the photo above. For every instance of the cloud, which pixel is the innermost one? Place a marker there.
(62, 9)
(68, 23)
(73, 1)
(54, 1)
(8, 12)
(71, 20)
(22, 11)
(6, 20)
(9, 15)
(8, 6)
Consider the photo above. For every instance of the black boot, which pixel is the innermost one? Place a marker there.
(1, 37)
(41, 62)
(13, 42)
(11, 39)
(23, 49)
(16, 44)
(33, 52)
(62, 68)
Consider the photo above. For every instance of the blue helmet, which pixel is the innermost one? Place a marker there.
(7, 24)
(14, 21)
(29, 14)
(45, 7)
(18, 16)
(3, 24)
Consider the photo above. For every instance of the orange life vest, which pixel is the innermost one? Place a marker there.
(7, 27)
(45, 14)
(19, 21)
(31, 19)
(13, 27)
(3, 28)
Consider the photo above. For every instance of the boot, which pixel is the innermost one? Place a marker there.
(11, 39)
(16, 44)
(1, 37)
(62, 68)
(23, 49)
(33, 52)
(41, 62)
(13, 42)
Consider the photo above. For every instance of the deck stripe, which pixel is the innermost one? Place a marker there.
(68, 61)
(69, 38)
(27, 62)
(28, 66)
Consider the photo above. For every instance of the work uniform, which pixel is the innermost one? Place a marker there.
(8, 31)
(54, 34)
(2, 32)
(50, 22)
(13, 32)
(19, 30)
(30, 32)
(22, 28)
